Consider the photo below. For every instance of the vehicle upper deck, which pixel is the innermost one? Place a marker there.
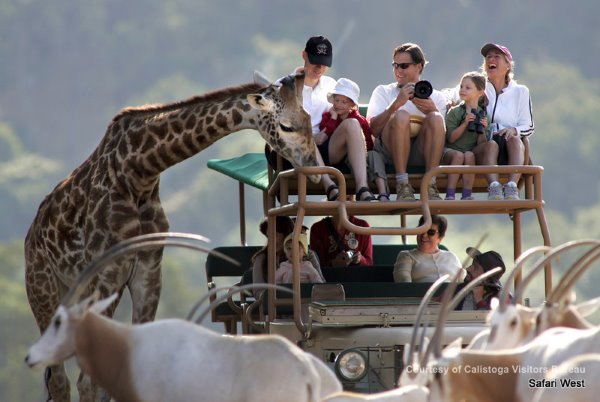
(289, 193)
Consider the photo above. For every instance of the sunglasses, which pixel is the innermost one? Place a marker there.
(431, 232)
(402, 66)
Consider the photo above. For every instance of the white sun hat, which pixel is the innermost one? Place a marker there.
(345, 87)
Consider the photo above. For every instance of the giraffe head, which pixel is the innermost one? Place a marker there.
(284, 123)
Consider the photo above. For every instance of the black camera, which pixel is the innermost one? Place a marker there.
(476, 125)
(349, 255)
(423, 89)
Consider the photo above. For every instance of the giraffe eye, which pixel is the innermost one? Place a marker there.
(285, 128)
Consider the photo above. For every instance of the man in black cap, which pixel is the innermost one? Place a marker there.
(482, 295)
(318, 57)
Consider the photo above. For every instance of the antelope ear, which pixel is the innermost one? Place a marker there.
(100, 305)
(260, 102)
(494, 303)
(453, 348)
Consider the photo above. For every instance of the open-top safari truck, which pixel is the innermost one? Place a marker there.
(359, 321)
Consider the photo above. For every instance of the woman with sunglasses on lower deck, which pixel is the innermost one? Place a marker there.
(427, 262)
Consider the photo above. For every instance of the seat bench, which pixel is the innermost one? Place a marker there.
(220, 272)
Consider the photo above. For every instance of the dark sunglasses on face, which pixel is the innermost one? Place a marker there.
(431, 232)
(402, 66)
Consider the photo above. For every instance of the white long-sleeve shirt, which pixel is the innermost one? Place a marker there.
(417, 266)
(510, 108)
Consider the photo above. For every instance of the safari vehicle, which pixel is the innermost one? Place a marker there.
(359, 322)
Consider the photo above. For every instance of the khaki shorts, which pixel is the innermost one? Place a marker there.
(415, 157)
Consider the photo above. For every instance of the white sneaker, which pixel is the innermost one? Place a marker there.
(511, 192)
(495, 192)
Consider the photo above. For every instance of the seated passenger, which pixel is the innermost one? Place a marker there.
(337, 247)
(346, 136)
(308, 273)
(393, 112)
(427, 262)
(481, 296)
(283, 227)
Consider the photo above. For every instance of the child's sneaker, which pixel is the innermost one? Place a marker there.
(511, 192)
(495, 192)
(450, 198)
(468, 197)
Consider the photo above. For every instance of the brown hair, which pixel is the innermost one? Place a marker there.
(439, 220)
(416, 53)
(479, 81)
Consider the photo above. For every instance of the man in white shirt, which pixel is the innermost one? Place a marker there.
(408, 126)
(318, 57)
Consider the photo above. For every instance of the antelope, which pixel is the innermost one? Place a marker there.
(171, 360)
(513, 324)
(175, 360)
(572, 381)
(503, 375)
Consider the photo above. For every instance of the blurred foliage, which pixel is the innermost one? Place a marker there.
(68, 67)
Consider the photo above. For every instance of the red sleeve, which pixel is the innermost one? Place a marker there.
(328, 124)
(365, 243)
(319, 242)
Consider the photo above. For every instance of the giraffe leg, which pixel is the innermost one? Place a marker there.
(57, 384)
(89, 391)
(145, 286)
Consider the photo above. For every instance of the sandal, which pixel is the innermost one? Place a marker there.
(369, 197)
(331, 189)
(383, 197)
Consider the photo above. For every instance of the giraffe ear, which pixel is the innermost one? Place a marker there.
(258, 101)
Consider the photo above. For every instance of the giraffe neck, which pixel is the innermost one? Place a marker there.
(152, 139)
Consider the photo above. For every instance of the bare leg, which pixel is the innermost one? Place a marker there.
(516, 154)
(468, 179)
(487, 154)
(453, 157)
(348, 139)
(396, 138)
(325, 178)
(434, 138)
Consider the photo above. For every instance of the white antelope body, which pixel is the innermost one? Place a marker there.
(177, 361)
(409, 393)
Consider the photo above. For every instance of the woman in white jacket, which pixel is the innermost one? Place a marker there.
(510, 116)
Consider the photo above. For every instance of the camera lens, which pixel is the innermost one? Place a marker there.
(423, 89)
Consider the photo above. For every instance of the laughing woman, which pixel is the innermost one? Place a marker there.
(510, 117)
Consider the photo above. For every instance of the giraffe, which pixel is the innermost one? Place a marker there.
(114, 195)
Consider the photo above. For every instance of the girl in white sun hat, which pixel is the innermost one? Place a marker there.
(346, 137)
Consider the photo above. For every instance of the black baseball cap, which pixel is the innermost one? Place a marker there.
(319, 51)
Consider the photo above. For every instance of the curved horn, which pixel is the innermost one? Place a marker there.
(447, 296)
(503, 296)
(436, 340)
(428, 295)
(565, 283)
(135, 244)
(237, 289)
(573, 274)
(543, 261)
